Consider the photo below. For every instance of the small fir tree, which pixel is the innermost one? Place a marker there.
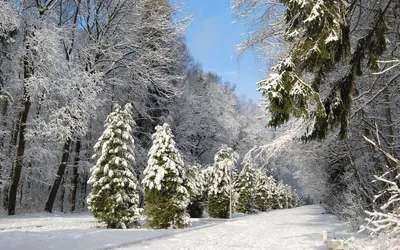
(220, 188)
(165, 195)
(297, 201)
(275, 201)
(196, 191)
(207, 174)
(265, 187)
(290, 196)
(281, 196)
(246, 188)
(114, 196)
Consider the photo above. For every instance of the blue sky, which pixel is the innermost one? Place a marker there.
(212, 39)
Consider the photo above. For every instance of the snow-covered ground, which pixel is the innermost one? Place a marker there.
(298, 228)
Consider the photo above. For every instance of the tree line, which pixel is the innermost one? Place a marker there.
(63, 66)
(174, 190)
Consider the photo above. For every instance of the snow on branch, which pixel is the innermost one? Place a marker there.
(395, 63)
(387, 220)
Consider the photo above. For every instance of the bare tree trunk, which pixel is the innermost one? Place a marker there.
(84, 191)
(390, 140)
(14, 135)
(59, 176)
(21, 192)
(62, 196)
(390, 136)
(75, 176)
(20, 153)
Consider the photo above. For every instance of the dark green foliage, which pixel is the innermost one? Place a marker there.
(319, 32)
(218, 206)
(275, 201)
(162, 210)
(165, 196)
(196, 208)
(114, 196)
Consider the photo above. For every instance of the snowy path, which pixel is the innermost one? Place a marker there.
(299, 228)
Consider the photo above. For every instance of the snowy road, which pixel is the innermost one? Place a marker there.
(299, 228)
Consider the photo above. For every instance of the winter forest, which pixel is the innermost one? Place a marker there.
(103, 109)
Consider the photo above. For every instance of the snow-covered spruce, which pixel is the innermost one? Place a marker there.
(221, 183)
(114, 197)
(265, 188)
(281, 196)
(166, 197)
(196, 187)
(246, 188)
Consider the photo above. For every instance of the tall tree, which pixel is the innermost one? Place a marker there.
(114, 197)
(246, 188)
(221, 184)
(196, 187)
(321, 35)
(166, 197)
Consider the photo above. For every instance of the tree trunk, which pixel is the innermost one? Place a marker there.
(14, 135)
(84, 191)
(62, 195)
(23, 118)
(75, 176)
(18, 161)
(59, 176)
(390, 138)
(21, 192)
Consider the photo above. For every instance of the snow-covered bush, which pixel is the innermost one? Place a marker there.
(246, 188)
(165, 195)
(221, 183)
(195, 187)
(114, 197)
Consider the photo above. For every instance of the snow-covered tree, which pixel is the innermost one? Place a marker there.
(280, 196)
(205, 116)
(165, 194)
(246, 188)
(114, 197)
(321, 35)
(386, 218)
(196, 188)
(265, 187)
(221, 183)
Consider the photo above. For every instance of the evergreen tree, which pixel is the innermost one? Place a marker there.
(290, 196)
(220, 188)
(114, 197)
(322, 36)
(275, 201)
(246, 188)
(297, 200)
(280, 196)
(265, 187)
(165, 195)
(196, 191)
